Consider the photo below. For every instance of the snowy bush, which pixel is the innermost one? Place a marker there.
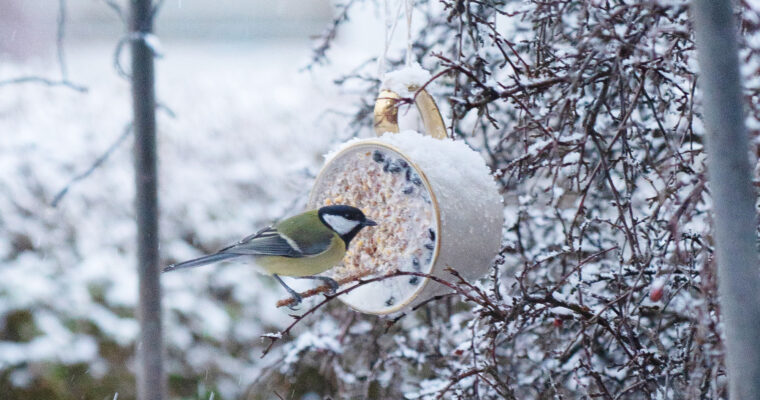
(589, 114)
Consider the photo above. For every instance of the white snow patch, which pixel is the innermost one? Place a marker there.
(400, 80)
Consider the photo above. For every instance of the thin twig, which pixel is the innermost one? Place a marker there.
(97, 163)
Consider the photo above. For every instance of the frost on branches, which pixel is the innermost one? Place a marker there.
(589, 114)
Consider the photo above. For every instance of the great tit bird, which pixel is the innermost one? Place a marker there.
(301, 246)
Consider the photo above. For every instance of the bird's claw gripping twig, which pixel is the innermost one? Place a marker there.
(296, 297)
(329, 281)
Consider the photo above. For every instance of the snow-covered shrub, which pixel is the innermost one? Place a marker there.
(590, 115)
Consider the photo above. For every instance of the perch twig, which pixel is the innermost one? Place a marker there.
(323, 288)
(361, 282)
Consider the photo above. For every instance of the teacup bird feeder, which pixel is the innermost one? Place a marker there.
(434, 199)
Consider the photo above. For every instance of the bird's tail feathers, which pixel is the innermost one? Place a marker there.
(201, 261)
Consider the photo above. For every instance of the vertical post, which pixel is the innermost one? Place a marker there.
(150, 377)
(733, 194)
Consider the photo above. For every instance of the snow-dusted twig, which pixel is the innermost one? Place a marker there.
(95, 165)
(359, 283)
(101, 159)
(321, 289)
(63, 81)
(116, 8)
(319, 54)
(44, 81)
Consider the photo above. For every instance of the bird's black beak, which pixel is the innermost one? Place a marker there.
(369, 222)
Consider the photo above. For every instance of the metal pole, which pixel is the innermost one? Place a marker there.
(732, 193)
(150, 377)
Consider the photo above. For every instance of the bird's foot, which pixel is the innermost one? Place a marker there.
(296, 297)
(293, 306)
(334, 286)
(329, 281)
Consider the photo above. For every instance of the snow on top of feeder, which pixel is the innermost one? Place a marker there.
(399, 81)
(463, 164)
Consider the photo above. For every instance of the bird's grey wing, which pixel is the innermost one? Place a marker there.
(266, 242)
(318, 246)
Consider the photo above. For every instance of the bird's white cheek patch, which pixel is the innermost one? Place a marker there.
(340, 224)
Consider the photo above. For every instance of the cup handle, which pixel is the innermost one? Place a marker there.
(386, 113)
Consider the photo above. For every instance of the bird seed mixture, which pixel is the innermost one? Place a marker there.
(388, 190)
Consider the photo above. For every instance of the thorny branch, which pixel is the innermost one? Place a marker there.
(359, 283)
(319, 53)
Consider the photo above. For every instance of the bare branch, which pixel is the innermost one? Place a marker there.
(95, 165)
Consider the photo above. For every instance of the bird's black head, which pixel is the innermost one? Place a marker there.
(346, 221)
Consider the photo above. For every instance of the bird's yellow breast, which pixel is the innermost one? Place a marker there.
(305, 266)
